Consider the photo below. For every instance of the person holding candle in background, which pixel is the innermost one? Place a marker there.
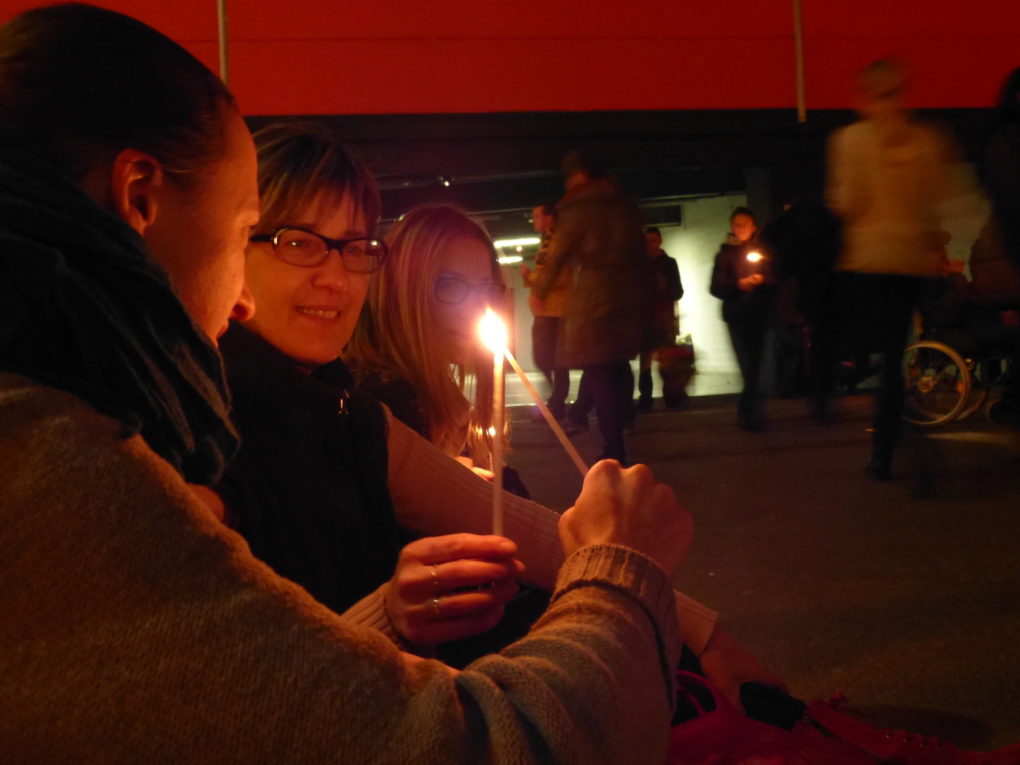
(743, 278)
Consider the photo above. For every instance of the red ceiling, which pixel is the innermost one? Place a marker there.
(404, 56)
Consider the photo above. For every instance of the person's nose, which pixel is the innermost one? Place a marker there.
(244, 308)
(332, 274)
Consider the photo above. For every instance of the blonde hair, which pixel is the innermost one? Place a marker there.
(395, 336)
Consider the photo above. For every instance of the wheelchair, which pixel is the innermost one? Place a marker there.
(949, 377)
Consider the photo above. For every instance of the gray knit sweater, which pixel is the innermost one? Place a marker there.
(136, 628)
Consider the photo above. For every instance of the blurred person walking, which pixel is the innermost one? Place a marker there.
(887, 177)
(547, 313)
(743, 278)
(598, 240)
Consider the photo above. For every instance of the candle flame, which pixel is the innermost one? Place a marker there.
(754, 257)
(492, 331)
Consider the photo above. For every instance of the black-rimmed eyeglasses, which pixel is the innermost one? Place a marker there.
(307, 249)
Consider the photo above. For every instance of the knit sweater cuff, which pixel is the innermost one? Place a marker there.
(370, 611)
(637, 576)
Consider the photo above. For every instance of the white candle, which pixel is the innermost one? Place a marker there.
(568, 447)
(493, 334)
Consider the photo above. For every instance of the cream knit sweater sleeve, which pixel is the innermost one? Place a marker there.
(436, 495)
(138, 629)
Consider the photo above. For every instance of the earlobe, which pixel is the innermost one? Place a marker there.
(136, 182)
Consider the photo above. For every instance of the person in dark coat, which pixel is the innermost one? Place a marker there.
(1002, 167)
(599, 238)
(804, 242)
(743, 278)
(663, 322)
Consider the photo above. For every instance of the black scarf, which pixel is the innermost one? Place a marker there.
(84, 308)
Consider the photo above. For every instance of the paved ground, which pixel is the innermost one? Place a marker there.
(909, 605)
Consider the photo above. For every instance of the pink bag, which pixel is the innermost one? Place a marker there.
(828, 735)
(722, 735)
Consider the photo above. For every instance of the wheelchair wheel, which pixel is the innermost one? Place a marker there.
(937, 381)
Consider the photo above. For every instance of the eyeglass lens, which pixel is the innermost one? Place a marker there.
(450, 290)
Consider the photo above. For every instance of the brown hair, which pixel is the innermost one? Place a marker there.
(80, 83)
(300, 160)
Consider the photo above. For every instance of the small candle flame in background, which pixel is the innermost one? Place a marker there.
(754, 256)
(492, 331)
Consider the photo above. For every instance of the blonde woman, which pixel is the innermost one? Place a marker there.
(414, 347)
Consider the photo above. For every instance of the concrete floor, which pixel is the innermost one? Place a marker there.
(908, 605)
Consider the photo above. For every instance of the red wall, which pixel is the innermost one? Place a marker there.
(404, 56)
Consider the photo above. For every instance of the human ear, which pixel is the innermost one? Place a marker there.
(136, 182)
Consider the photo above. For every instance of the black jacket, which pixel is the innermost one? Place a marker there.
(667, 289)
(308, 489)
(731, 265)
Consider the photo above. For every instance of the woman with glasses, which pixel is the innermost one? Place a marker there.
(310, 489)
(416, 347)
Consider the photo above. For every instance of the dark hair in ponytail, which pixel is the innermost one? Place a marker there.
(78, 84)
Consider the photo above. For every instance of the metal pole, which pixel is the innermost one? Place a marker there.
(221, 17)
(798, 43)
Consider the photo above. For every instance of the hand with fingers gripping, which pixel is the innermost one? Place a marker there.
(451, 587)
(627, 506)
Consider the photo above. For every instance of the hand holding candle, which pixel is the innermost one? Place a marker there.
(748, 283)
(493, 334)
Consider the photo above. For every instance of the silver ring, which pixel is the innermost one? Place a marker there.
(435, 608)
(434, 575)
